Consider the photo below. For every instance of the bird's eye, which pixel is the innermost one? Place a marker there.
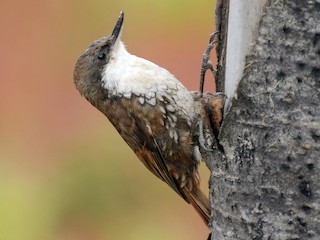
(101, 56)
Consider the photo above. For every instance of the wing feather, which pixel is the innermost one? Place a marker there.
(151, 156)
(132, 126)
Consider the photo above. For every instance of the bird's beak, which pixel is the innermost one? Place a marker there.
(116, 33)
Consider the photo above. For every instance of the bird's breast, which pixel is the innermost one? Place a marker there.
(162, 121)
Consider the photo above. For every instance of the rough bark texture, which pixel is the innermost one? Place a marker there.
(266, 185)
(221, 24)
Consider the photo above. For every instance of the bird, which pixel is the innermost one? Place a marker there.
(152, 111)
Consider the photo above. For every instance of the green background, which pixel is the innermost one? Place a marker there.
(65, 173)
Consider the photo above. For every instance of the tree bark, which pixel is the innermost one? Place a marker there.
(265, 184)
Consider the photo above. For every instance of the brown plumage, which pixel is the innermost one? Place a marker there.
(173, 162)
(153, 112)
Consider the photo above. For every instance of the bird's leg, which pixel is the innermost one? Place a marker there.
(205, 65)
(206, 62)
(201, 137)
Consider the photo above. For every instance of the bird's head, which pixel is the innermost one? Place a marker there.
(92, 62)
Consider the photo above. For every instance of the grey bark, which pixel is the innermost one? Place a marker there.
(221, 23)
(266, 184)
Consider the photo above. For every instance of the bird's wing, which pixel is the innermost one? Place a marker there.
(147, 149)
(144, 129)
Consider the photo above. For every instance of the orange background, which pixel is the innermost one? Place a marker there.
(64, 171)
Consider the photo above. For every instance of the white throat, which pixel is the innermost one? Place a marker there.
(126, 75)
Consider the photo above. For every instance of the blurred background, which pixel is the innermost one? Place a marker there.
(65, 173)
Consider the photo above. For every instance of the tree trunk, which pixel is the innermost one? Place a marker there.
(266, 184)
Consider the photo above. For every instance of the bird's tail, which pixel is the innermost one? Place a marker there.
(199, 201)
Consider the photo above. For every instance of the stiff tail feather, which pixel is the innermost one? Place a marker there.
(199, 201)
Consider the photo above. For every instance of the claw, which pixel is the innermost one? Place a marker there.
(201, 137)
(206, 62)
